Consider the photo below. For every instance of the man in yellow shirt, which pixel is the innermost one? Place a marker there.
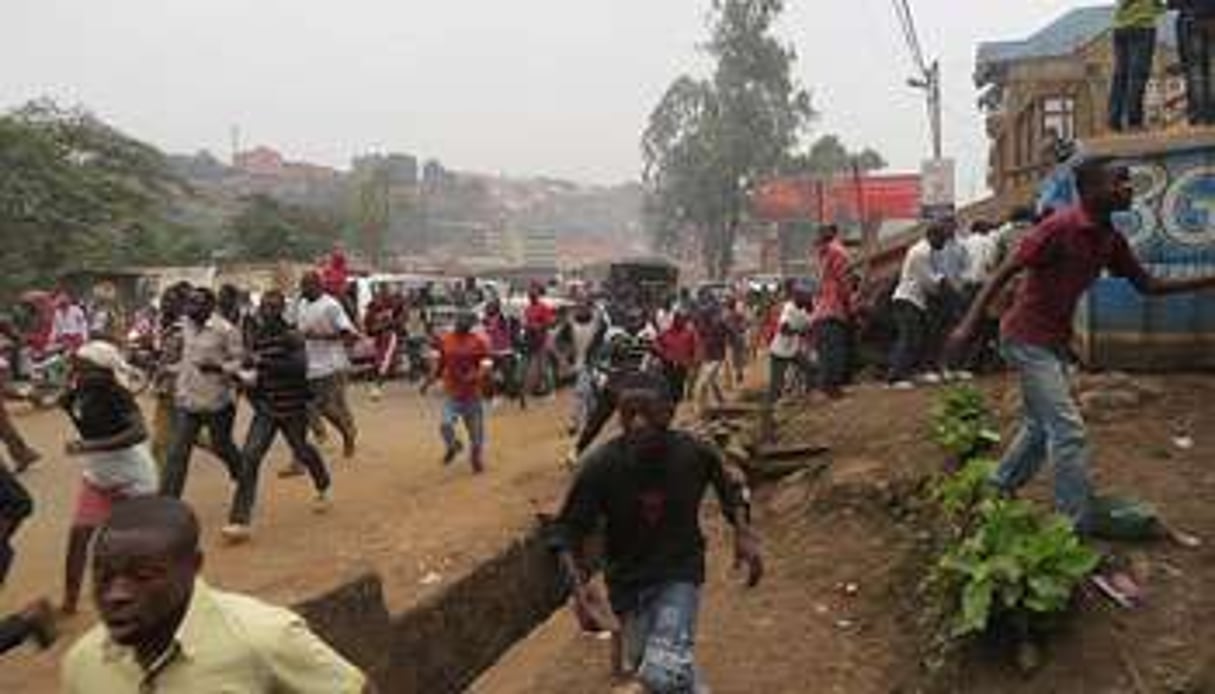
(1134, 50)
(165, 631)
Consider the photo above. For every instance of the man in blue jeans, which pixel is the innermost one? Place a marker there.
(647, 484)
(1134, 51)
(1060, 260)
(1196, 44)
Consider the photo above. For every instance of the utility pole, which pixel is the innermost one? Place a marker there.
(930, 82)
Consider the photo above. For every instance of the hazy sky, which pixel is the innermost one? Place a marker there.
(558, 87)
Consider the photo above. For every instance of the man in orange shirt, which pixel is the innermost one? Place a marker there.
(463, 359)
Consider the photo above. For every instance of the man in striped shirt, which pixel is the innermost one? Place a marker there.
(280, 394)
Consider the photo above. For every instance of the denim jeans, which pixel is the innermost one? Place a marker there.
(1051, 428)
(659, 638)
(186, 427)
(907, 356)
(473, 414)
(1194, 41)
(1134, 49)
(262, 431)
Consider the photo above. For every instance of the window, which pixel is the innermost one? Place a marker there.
(1059, 115)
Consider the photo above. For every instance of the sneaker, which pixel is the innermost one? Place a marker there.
(236, 533)
(963, 375)
(322, 502)
(452, 451)
(930, 378)
(902, 385)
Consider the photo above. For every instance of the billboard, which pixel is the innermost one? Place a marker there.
(842, 200)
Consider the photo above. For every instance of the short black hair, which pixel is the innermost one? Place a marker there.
(649, 382)
(166, 515)
(1090, 174)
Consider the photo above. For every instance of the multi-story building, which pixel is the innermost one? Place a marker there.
(1050, 89)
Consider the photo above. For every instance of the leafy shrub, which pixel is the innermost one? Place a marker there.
(962, 423)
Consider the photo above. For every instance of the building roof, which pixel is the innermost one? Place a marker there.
(1064, 36)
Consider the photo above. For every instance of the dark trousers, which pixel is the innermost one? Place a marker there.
(834, 345)
(262, 432)
(601, 413)
(677, 381)
(14, 630)
(186, 427)
(911, 321)
(1134, 49)
(1195, 40)
(778, 374)
(15, 506)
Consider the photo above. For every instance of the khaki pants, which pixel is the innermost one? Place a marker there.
(329, 403)
(162, 429)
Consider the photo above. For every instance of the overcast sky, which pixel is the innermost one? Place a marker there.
(557, 87)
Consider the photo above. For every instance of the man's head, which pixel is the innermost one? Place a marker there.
(465, 320)
(273, 304)
(982, 227)
(827, 234)
(1104, 188)
(534, 293)
(679, 319)
(938, 234)
(200, 305)
(145, 561)
(801, 295)
(310, 285)
(645, 407)
(383, 290)
(493, 308)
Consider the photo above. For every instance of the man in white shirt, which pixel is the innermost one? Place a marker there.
(786, 349)
(69, 326)
(326, 329)
(918, 283)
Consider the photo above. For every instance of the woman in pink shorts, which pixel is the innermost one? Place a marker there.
(112, 448)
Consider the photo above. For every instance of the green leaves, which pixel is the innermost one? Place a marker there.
(1003, 557)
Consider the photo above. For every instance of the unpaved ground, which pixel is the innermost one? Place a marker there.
(397, 511)
(801, 631)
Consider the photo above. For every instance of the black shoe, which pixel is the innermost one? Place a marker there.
(452, 451)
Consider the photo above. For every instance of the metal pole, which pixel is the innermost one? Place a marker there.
(934, 107)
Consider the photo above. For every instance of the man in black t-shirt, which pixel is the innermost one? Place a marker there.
(647, 485)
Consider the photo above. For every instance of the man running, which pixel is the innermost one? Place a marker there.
(278, 390)
(1060, 260)
(164, 629)
(211, 357)
(383, 324)
(327, 328)
(646, 486)
(463, 359)
(538, 319)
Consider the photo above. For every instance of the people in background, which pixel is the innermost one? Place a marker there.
(164, 384)
(69, 326)
(1134, 50)
(464, 358)
(833, 312)
(382, 321)
(1196, 46)
(538, 319)
(679, 351)
(646, 487)
(327, 329)
(22, 453)
(919, 281)
(786, 350)
(714, 336)
(1058, 261)
(164, 629)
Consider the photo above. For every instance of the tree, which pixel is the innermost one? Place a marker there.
(828, 157)
(709, 142)
(71, 187)
(268, 230)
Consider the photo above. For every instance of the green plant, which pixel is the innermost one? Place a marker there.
(1016, 561)
(959, 493)
(962, 423)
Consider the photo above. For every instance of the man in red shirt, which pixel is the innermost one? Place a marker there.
(382, 321)
(833, 311)
(463, 359)
(538, 318)
(1060, 260)
(679, 349)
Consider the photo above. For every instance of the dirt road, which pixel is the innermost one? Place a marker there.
(396, 511)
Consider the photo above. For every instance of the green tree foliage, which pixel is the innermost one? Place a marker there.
(709, 142)
(72, 191)
(267, 230)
